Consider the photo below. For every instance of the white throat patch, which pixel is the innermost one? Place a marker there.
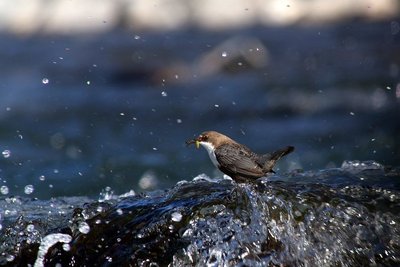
(210, 149)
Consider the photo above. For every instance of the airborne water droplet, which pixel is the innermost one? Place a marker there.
(45, 81)
(163, 93)
(66, 247)
(6, 153)
(30, 228)
(10, 258)
(4, 190)
(84, 228)
(176, 216)
(224, 54)
(29, 189)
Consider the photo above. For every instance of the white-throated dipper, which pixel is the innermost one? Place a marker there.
(237, 160)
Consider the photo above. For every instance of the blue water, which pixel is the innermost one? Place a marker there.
(79, 114)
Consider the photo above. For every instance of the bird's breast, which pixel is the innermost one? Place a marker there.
(211, 152)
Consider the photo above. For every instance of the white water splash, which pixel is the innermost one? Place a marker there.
(47, 242)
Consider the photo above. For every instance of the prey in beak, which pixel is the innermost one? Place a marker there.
(193, 141)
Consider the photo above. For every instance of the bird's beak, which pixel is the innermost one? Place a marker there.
(193, 141)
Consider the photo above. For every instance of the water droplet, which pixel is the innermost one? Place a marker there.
(10, 258)
(136, 37)
(148, 180)
(176, 216)
(176, 76)
(29, 189)
(66, 247)
(45, 81)
(178, 121)
(163, 93)
(122, 114)
(30, 228)
(224, 54)
(105, 194)
(155, 149)
(42, 177)
(216, 105)
(4, 190)
(119, 212)
(84, 228)
(88, 82)
(352, 113)
(6, 153)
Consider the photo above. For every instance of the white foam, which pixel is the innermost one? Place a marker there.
(47, 242)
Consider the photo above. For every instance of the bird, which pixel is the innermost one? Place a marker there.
(237, 160)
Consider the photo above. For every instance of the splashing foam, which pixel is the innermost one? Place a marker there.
(47, 242)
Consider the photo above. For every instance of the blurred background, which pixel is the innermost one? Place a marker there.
(100, 96)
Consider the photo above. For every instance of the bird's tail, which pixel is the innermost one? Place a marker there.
(268, 160)
(276, 155)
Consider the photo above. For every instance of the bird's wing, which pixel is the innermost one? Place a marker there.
(238, 161)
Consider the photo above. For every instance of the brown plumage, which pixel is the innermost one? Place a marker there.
(237, 160)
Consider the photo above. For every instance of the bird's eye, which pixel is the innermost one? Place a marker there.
(203, 137)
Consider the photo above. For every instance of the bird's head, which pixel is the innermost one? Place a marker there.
(210, 137)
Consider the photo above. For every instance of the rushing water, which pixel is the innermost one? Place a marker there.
(79, 113)
(110, 113)
(346, 216)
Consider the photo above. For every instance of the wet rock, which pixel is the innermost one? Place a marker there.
(304, 218)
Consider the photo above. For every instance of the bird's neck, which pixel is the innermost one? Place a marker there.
(211, 152)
